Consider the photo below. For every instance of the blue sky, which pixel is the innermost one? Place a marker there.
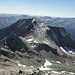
(54, 8)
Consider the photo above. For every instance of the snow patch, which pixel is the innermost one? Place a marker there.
(64, 50)
(55, 72)
(58, 62)
(47, 63)
(44, 68)
(72, 73)
(31, 66)
(35, 41)
(23, 65)
(20, 64)
(28, 40)
(71, 52)
(33, 46)
(62, 71)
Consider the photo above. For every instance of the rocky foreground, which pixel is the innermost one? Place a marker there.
(20, 72)
(16, 70)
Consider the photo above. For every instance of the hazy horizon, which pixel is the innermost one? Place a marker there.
(53, 8)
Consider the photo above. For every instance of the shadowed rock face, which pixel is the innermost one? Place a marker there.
(31, 41)
(61, 37)
(46, 48)
(21, 28)
(14, 43)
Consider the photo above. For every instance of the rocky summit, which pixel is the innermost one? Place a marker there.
(31, 46)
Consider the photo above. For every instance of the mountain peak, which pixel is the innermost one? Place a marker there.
(35, 19)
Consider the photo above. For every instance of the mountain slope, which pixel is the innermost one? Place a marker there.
(31, 42)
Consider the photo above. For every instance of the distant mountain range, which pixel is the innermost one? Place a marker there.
(8, 19)
(32, 43)
(67, 23)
